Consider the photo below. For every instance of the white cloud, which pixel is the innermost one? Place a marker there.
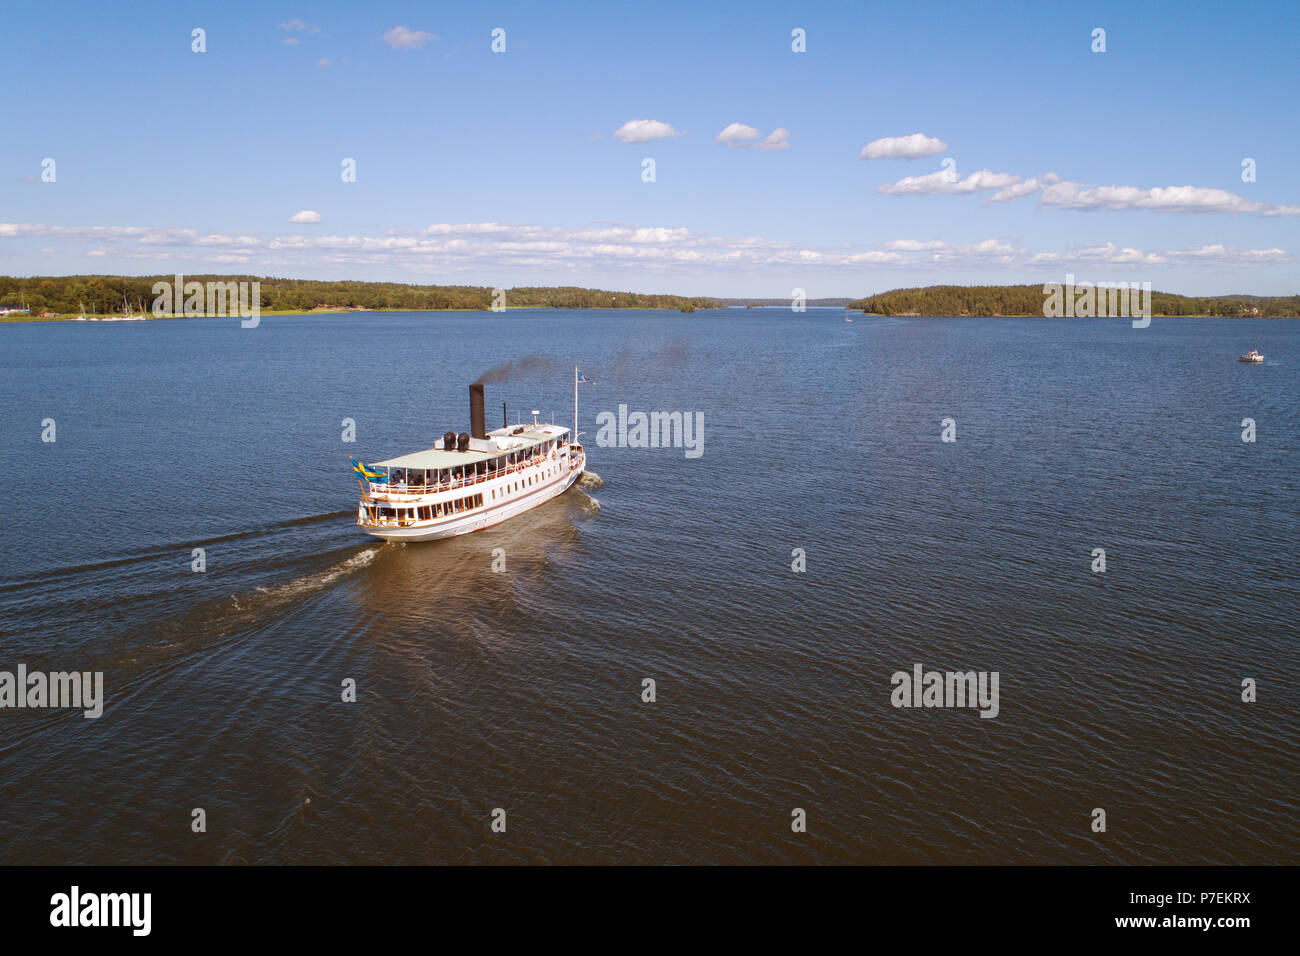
(1184, 199)
(326, 62)
(1017, 191)
(944, 182)
(737, 134)
(915, 245)
(292, 41)
(877, 258)
(902, 147)
(299, 26)
(643, 131)
(1108, 253)
(404, 38)
(1053, 191)
(305, 216)
(481, 247)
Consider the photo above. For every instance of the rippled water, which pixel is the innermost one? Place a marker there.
(522, 690)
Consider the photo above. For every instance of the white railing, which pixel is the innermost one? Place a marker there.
(430, 488)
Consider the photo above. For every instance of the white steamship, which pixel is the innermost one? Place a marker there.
(469, 481)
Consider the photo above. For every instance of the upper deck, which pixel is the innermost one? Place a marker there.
(505, 451)
(501, 441)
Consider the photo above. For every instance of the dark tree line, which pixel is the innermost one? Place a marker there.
(65, 295)
(989, 300)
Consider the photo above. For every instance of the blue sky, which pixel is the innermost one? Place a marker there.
(504, 169)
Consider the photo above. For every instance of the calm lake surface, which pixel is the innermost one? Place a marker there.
(522, 690)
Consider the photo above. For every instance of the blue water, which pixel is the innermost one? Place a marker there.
(522, 690)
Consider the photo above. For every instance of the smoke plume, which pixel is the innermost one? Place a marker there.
(528, 365)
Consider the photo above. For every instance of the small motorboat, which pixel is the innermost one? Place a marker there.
(1254, 357)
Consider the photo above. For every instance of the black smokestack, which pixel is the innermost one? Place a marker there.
(477, 425)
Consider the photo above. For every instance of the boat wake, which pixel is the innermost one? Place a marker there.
(589, 479)
(220, 618)
(163, 552)
(317, 580)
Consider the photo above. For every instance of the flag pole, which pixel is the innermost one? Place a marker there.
(574, 439)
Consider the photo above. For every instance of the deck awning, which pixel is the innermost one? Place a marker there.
(434, 459)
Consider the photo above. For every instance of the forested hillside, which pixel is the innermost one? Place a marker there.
(103, 294)
(987, 300)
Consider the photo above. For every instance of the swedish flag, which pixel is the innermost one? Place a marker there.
(365, 474)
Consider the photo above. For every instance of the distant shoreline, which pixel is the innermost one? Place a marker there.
(291, 313)
(106, 295)
(72, 317)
